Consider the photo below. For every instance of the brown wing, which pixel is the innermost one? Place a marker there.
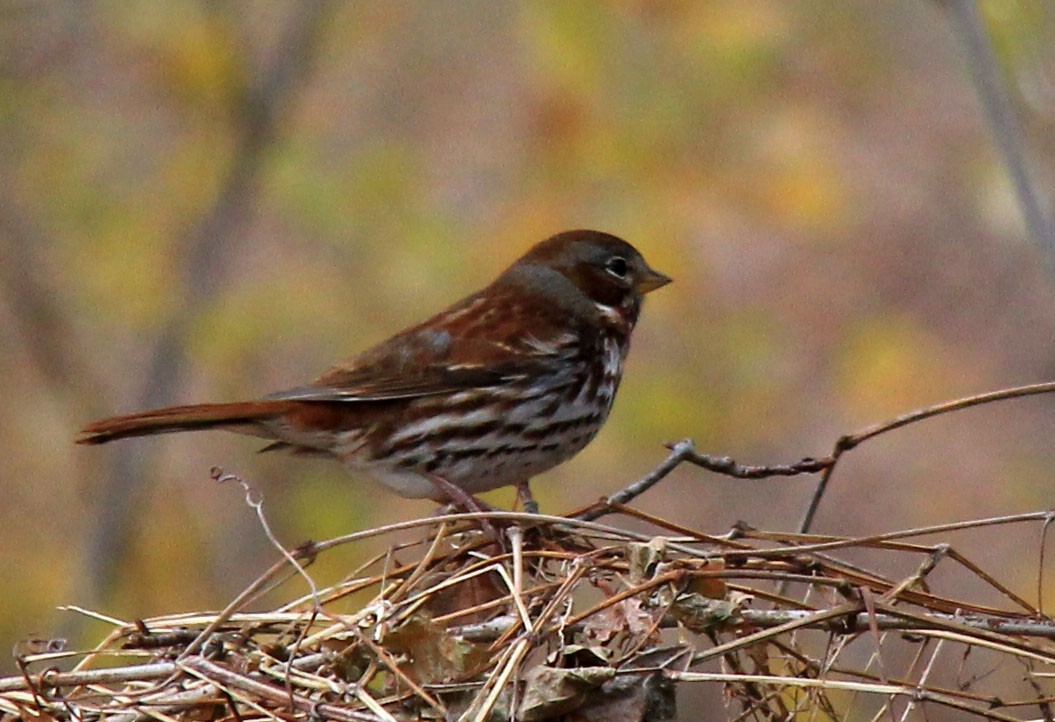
(380, 384)
(468, 346)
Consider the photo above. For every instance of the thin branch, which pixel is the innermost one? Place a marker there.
(849, 623)
(685, 451)
(112, 675)
(850, 441)
(225, 678)
(873, 688)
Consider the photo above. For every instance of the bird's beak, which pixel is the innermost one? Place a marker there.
(651, 281)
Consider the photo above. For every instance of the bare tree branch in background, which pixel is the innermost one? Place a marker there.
(208, 248)
(43, 328)
(1000, 111)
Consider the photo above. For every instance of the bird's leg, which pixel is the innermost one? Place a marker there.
(460, 497)
(525, 497)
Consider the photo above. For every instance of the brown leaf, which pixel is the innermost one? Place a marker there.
(472, 592)
(550, 692)
(643, 558)
(632, 698)
(637, 696)
(710, 587)
(627, 616)
(433, 653)
(579, 655)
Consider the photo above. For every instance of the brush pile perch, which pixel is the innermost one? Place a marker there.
(564, 619)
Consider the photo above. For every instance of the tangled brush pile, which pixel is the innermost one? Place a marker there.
(536, 617)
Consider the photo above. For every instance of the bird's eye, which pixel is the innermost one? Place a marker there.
(617, 267)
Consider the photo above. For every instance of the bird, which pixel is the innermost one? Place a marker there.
(501, 386)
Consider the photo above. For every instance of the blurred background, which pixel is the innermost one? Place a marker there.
(214, 200)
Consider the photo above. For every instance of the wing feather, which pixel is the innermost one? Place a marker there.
(444, 355)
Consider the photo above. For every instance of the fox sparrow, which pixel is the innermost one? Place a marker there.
(503, 385)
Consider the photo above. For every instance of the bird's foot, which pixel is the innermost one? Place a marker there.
(525, 498)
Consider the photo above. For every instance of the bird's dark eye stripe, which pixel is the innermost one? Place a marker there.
(617, 266)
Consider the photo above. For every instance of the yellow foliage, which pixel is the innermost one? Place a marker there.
(888, 364)
(192, 52)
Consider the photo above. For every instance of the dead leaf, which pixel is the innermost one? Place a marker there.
(551, 692)
(579, 655)
(643, 558)
(466, 594)
(433, 654)
(627, 616)
(630, 698)
(710, 587)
